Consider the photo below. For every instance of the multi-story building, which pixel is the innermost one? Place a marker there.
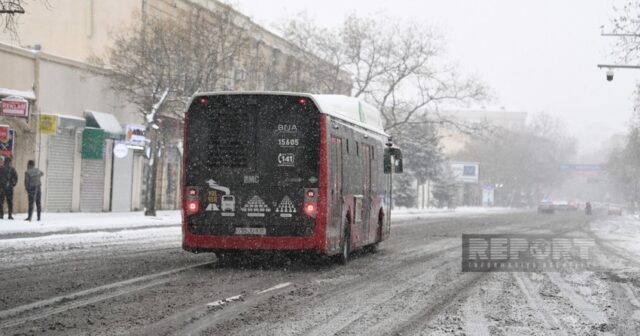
(51, 67)
(454, 136)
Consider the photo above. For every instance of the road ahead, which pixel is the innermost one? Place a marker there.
(113, 285)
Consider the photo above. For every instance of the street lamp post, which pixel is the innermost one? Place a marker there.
(610, 67)
(618, 66)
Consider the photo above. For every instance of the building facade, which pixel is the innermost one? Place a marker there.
(65, 97)
(454, 138)
(79, 131)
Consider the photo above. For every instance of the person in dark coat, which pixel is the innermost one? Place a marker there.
(32, 184)
(8, 180)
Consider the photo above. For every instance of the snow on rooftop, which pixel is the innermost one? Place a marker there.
(26, 94)
(351, 109)
(107, 122)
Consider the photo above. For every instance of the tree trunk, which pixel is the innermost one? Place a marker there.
(152, 173)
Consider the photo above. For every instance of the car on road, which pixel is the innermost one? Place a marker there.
(546, 206)
(574, 206)
(562, 206)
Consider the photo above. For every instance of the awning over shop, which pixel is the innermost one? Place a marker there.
(107, 122)
(28, 95)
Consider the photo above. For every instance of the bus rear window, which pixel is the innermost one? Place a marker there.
(266, 133)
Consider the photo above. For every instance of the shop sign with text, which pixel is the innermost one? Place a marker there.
(15, 107)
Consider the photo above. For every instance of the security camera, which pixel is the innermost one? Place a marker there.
(609, 75)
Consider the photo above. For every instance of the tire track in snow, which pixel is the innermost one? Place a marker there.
(44, 308)
(550, 322)
(197, 322)
(381, 293)
(588, 310)
(473, 316)
(358, 290)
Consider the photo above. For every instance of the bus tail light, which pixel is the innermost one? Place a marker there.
(311, 202)
(310, 209)
(192, 202)
(193, 206)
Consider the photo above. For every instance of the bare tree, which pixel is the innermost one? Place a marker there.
(399, 67)
(524, 161)
(623, 163)
(159, 64)
(626, 23)
(8, 11)
(325, 54)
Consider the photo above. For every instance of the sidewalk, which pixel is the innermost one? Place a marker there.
(75, 222)
(416, 213)
(83, 221)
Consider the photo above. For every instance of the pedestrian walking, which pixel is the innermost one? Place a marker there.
(32, 184)
(8, 180)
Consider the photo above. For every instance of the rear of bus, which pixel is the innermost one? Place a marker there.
(251, 175)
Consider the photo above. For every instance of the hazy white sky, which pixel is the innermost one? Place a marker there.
(535, 55)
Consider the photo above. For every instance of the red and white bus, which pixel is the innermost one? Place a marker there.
(285, 171)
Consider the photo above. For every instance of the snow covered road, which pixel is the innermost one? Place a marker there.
(139, 282)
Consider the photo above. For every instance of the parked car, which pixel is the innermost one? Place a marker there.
(561, 206)
(546, 207)
(574, 206)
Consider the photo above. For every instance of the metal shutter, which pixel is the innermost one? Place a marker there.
(60, 172)
(92, 185)
(122, 183)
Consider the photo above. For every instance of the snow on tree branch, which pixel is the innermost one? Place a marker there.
(9, 9)
(152, 114)
(399, 67)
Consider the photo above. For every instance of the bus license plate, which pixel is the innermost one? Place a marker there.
(251, 231)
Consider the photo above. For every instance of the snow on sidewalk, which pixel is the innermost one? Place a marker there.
(82, 221)
(621, 232)
(414, 213)
(76, 222)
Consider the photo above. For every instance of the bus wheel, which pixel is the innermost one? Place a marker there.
(373, 248)
(345, 248)
(380, 227)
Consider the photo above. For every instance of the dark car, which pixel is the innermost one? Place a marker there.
(546, 207)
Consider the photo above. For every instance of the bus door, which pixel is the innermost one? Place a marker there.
(365, 155)
(335, 181)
